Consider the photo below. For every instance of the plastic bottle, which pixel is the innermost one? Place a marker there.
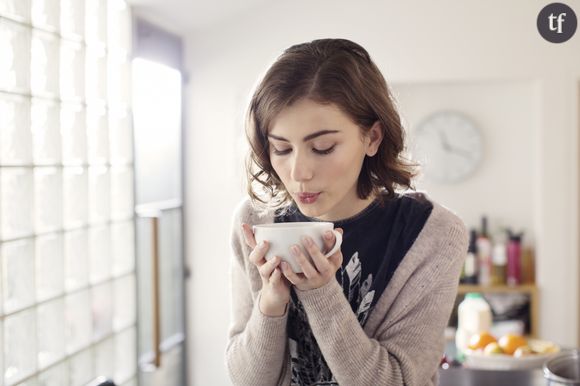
(499, 258)
(514, 253)
(484, 254)
(473, 316)
(527, 265)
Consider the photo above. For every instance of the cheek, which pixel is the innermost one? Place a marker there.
(346, 165)
(335, 172)
(278, 167)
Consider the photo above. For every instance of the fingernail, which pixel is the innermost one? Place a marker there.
(262, 244)
(328, 235)
(295, 251)
(307, 240)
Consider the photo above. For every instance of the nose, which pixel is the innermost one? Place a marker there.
(302, 168)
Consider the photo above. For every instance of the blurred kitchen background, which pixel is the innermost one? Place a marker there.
(121, 149)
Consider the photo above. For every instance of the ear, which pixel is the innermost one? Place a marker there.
(375, 137)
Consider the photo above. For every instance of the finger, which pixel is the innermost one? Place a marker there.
(307, 268)
(276, 277)
(336, 260)
(329, 240)
(257, 255)
(320, 261)
(292, 276)
(248, 235)
(268, 267)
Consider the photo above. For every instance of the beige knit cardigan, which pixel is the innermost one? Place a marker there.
(403, 339)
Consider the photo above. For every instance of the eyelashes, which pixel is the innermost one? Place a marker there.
(316, 151)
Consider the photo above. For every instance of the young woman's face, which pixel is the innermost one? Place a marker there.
(316, 148)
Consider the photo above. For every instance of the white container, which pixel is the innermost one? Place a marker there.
(473, 316)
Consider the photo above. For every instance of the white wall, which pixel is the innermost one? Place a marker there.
(502, 187)
(485, 58)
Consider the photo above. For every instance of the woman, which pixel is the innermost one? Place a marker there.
(326, 145)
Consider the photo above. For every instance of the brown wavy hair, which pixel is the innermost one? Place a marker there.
(327, 71)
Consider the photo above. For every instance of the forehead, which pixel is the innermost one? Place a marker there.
(306, 116)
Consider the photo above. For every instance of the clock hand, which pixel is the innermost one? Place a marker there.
(446, 146)
(460, 152)
(452, 149)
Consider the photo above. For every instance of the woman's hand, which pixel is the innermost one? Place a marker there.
(323, 270)
(275, 288)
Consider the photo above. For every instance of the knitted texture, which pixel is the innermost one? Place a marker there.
(402, 341)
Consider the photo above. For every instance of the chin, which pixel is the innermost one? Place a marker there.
(311, 211)
(308, 210)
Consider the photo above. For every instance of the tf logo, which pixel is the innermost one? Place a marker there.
(557, 22)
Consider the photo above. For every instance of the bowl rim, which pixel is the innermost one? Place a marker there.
(509, 358)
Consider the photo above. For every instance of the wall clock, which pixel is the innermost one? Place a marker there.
(449, 146)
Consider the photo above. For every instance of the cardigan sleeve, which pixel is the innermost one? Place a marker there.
(256, 348)
(409, 343)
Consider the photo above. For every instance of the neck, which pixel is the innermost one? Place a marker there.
(357, 207)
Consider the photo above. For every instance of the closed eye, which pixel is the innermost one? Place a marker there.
(325, 151)
(316, 151)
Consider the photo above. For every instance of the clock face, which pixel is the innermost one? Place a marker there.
(449, 147)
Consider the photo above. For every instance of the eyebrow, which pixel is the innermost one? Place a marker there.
(308, 137)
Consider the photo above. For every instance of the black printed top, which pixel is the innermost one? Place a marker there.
(375, 241)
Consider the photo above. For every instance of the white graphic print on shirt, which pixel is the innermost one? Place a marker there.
(308, 365)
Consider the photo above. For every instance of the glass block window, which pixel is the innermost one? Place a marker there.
(67, 255)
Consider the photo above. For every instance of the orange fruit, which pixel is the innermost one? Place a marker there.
(479, 341)
(509, 343)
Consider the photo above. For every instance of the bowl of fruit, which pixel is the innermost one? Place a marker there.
(509, 352)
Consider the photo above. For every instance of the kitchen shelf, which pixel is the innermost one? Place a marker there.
(522, 288)
(529, 289)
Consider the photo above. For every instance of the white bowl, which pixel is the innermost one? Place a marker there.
(476, 359)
